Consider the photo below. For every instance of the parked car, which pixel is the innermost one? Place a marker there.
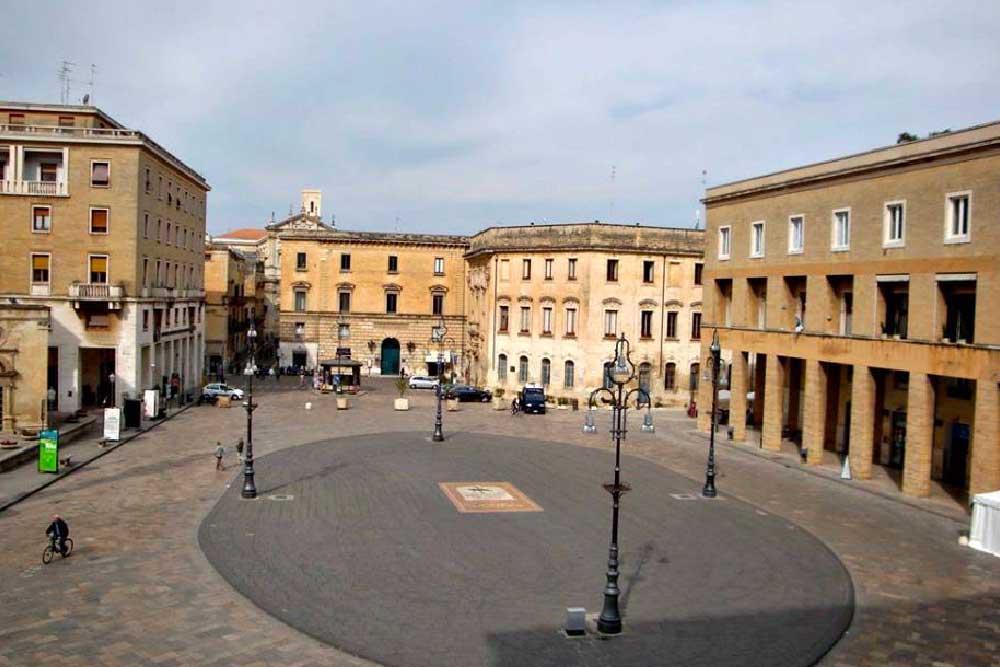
(533, 399)
(423, 382)
(213, 390)
(464, 392)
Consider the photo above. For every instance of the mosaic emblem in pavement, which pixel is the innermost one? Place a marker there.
(472, 497)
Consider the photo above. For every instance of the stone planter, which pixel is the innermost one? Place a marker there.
(341, 402)
(500, 403)
(401, 404)
(452, 404)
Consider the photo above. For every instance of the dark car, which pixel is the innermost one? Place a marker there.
(464, 392)
(533, 399)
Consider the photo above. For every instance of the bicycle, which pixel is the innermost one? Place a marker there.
(51, 550)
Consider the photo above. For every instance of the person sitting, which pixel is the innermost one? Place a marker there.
(58, 530)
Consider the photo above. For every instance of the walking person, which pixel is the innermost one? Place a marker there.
(58, 530)
(302, 379)
(219, 452)
(239, 451)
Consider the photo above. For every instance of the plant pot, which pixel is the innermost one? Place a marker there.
(452, 404)
(500, 403)
(401, 404)
(341, 402)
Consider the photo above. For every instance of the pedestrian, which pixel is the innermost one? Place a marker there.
(302, 379)
(271, 372)
(58, 530)
(239, 450)
(219, 451)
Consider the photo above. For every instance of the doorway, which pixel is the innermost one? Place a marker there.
(957, 455)
(390, 357)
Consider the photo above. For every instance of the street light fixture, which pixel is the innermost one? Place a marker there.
(438, 334)
(249, 487)
(622, 372)
(715, 349)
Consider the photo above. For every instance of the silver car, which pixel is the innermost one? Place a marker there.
(423, 382)
(215, 389)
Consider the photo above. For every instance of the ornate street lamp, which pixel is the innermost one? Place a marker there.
(438, 334)
(622, 372)
(716, 351)
(249, 488)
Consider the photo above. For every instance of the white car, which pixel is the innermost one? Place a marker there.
(215, 389)
(423, 382)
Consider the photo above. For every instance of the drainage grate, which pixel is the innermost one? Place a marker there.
(683, 496)
(281, 497)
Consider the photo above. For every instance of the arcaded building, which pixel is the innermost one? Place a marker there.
(858, 299)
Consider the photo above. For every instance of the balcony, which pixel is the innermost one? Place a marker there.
(81, 293)
(37, 188)
(63, 130)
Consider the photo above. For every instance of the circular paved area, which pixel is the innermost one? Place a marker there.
(361, 547)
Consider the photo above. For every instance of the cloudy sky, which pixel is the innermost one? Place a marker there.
(451, 117)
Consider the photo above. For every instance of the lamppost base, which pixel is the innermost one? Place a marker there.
(709, 490)
(609, 626)
(438, 436)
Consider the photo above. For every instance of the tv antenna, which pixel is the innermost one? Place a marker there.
(697, 211)
(89, 98)
(64, 81)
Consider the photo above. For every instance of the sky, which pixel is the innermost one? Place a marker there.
(449, 117)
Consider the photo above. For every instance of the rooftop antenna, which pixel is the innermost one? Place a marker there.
(697, 212)
(611, 212)
(93, 75)
(64, 81)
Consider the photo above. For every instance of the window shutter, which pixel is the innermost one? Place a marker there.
(40, 262)
(99, 264)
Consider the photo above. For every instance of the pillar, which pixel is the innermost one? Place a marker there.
(773, 399)
(862, 422)
(814, 427)
(738, 396)
(796, 368)
(919, 436)
(985, 465)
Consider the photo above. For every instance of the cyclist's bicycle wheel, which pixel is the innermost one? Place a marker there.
(48, 554)
(69, 546)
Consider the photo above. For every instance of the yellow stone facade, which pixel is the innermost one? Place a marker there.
(234, 297)
(857, 298)
(24, 344)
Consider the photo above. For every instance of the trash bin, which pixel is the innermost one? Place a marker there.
(133, 413)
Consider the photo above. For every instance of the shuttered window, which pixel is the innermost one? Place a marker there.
(100, 174)
(98, 221)
(40, 269)
(99, 269)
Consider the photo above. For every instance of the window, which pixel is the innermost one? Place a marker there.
(98, 221)
(610, 323)
(757, 239)
(525, 319)
(695, 326)
(145, 271)
(646, 324)
(504, 270)
(612, 271)
(672, 324)
(47, 173)
(99, 269)
(439, 266)
(149, 182)
(345, 261)
(502, 368)
(571, 269)
(159, 230)
(437, 304)
(41, 219)
(300, 300)
(568, 370)
(159, 273)
(300, 261)
(648, 271)
(670, 376)
(957, 230)
(522, 371)
(145, 319)
(170, 230)
(145, 226)
(17, 119)
(841, 230)
(390, 302)
(698, 266)
(100, 174)
(159, 187)
(504, 318)
(393, 264)
(548, 268)
(525, 269)
(547, 321)
(894, 225)
(695, 370)
(344, 302)
(546, 372)
(571, 321)
(645, 378)
(39, 269)
(725, 241)
(796, 234)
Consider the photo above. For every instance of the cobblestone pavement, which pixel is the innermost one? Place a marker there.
(138, 590)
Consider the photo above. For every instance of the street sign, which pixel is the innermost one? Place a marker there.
(112, 424)
(48, 451)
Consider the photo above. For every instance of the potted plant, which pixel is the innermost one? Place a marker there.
(341, 402)
(563, 403)
(402, 386)
(451, 404)
(499, 403)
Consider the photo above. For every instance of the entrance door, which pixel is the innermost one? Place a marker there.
(957, 455)
(390, 356)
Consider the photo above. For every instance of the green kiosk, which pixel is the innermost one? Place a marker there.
(48, 451)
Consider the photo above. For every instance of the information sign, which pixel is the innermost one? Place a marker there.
(48, 451)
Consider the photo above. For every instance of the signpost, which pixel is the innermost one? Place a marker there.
(48, 451)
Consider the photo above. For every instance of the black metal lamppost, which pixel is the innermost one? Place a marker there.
(438, 335)
(249, 488)
(620, 374)
(709, 491)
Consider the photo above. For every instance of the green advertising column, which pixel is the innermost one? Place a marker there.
(48, 451)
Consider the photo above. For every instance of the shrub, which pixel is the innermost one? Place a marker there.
(562, 400)
(402, 385)
(499, 392)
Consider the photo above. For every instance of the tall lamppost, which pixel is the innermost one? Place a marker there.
(438, 334)
(716, 351)
(249, 488)
(622, 372)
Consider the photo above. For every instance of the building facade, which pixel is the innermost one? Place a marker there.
(856, 298)
(24, 346)
(234, 297)
(545, 303)
(106, 228)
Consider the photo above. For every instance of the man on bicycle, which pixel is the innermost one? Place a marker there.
(58, 530)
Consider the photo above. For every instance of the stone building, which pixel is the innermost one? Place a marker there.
(24, 344)
(857, 297)
(105, 227)
(234, 297)
(545, 303)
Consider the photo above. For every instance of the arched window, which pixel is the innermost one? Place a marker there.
(693, 378)
(546, 372)
(568, 375)
(502, 368)
(522, 371)
(645, 376)
(670, 376)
